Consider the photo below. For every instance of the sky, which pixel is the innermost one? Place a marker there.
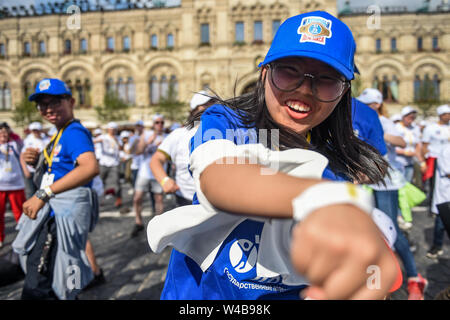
(411, 4)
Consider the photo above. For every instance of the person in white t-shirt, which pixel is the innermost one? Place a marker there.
(176, 149)
(98, 145)
(125, 155)
(435, 137)
(411, 134)
(148, 143)
(110, 159)
(37, 140)
(136, 158)
(11, 178)
(441, 200)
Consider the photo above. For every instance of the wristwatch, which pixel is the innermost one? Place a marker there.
(44, 194)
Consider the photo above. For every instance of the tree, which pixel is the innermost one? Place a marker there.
(113, 109)
(25, 113)
(427, 97)
(171, 108)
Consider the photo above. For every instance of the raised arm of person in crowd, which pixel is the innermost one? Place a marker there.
(397, 141)
(168, 184)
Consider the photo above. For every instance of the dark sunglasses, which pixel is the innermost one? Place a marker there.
(53, 102)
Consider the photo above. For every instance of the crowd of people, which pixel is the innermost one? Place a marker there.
(339, 199)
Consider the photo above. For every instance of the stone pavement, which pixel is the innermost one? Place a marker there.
(133, 272)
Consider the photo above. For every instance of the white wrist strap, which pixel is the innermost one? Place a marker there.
(329, 193)
(49, 191)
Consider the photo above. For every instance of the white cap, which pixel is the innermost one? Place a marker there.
(396, 117)
(199, 99)
(445, 108)
(98, 131)
(157, 116)
(35, 126)
(139, 123)
(112, 125)
(124, 134)
(407, 110)
(370, 95)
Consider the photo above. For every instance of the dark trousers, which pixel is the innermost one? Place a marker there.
(38, 285)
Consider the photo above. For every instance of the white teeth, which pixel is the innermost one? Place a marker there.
(298, 107)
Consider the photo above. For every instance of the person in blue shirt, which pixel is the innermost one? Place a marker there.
(367, 126)
(266, 223)
(69, 163)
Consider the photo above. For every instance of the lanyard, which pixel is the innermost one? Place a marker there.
(55, 140)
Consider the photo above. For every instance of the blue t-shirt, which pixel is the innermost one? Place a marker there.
(232, 275)
(367, 126)
(75, 140)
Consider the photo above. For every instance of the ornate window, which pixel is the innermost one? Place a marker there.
(78, 80)
(154, 41)
(204, 34)
(257, 32)
(83, 45)
(27, 49)
(163, 84)
(387, 82)
(120, 82)
(67, 46)
(239, 35)
(110, 44)
(5, 95)
(170, 41)
(427, 83)
(2, 50)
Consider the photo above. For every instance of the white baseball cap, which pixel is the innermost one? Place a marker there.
(112, 125)
(98, 131)
(124, 134)
(407, 110)
(396, 117)
(157, 116)
(139, 123)
(200, 98)
(35, 126)
(370, 95)
(445, 108)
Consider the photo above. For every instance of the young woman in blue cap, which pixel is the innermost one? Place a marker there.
(267, 224)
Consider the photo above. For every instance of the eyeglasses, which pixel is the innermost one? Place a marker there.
(159, 122)
(287, 78)
(54, 103)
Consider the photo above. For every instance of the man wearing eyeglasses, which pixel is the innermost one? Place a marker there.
(52, 238)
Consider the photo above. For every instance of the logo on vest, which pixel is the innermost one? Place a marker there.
(243, 255)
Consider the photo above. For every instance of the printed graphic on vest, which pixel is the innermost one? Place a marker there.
(243, 255)
(314, 29)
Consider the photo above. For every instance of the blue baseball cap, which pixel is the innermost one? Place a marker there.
(317, 35)
(54, 87)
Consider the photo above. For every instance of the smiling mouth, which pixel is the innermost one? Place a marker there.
(298, 106)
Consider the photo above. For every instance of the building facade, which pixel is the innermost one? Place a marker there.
(140, 52)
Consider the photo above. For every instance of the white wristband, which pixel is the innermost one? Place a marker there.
(329, 193)
(49, 192)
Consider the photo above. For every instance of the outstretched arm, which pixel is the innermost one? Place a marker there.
(334, 246)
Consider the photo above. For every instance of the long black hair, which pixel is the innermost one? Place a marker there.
(334, 137)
